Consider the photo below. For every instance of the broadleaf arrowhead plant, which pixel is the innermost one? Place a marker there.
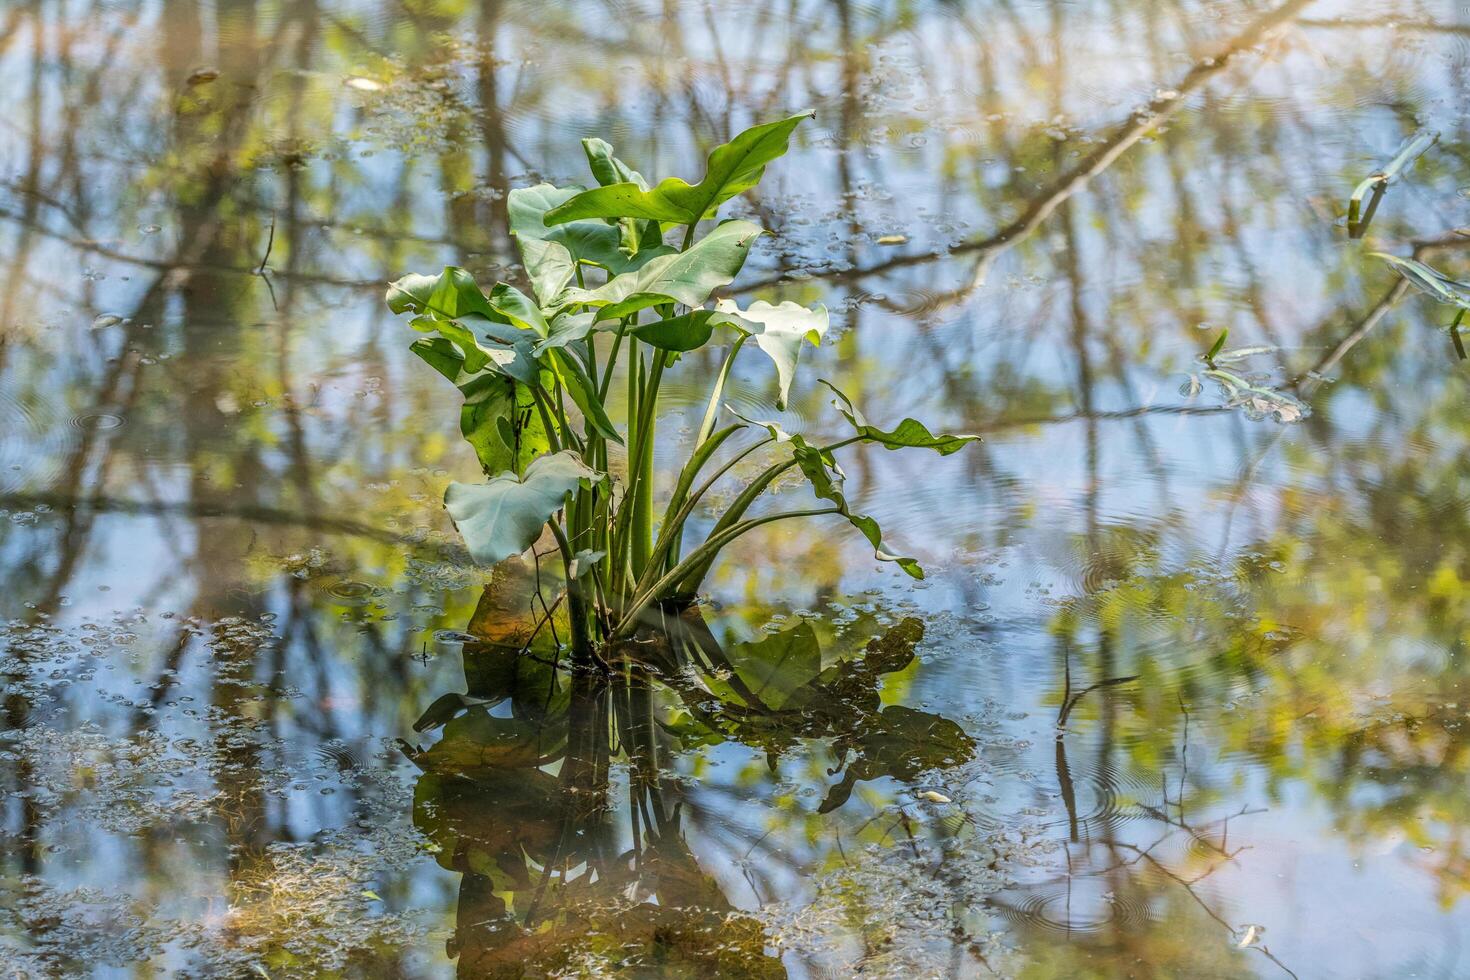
(536, 371)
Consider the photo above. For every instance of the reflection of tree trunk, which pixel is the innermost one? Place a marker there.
(492, 127)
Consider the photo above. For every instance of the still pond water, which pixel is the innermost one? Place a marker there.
(1183, 694)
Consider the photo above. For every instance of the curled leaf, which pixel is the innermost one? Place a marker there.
(779, 331)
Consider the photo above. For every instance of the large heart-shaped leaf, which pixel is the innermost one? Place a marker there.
(731, 168)
(594, 242)
(908, 434)
(779, 331)
(498, 419)
(504, 516)
(685, 277)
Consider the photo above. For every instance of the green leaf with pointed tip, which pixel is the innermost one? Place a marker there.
(550, 268)
(1429, 281)
(827, 478)
(579, 384)
(908, 434)
(687, 332)
(636, 235)
(500, 422)
(685, 277)
(450, 294)
(607, 168)
(779, 331)
(504, 516)
(731, 168)
(566, 329)
(519, 308)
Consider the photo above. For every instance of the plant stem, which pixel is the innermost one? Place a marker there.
(551, 436)
(582, 651)
(711, 547)
(712, 410)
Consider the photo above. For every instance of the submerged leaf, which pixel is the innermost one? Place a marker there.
(1429, 281)
(779, 331)
(910, 433)
(730, 169)
(503, 517)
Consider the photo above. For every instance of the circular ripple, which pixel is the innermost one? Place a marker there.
(1088, 906)
(32, 437)
(98, 422)
(350, 591)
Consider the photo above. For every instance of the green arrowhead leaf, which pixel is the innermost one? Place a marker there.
(451, 294)
(826, 477)
(504, 516)
(779, 331)
(607, 168)
(730, 169)
(687, 332)
(636, 235)
(550, 268)
(595, 242)
(684, 277)
(518, 308)
(910, 433)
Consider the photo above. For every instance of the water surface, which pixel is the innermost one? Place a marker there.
(1181, 696)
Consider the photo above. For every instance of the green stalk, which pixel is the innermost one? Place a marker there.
(682, 503)
(612, 358)
(551, 436)
(582, 651)
(704, 552)
(712, 410)
(643, 498)
(745, 499)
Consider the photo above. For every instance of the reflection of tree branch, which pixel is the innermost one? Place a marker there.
(1374, 316)
(97, 248)
(1386, 23)
(194, 509)
(1123, 138)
